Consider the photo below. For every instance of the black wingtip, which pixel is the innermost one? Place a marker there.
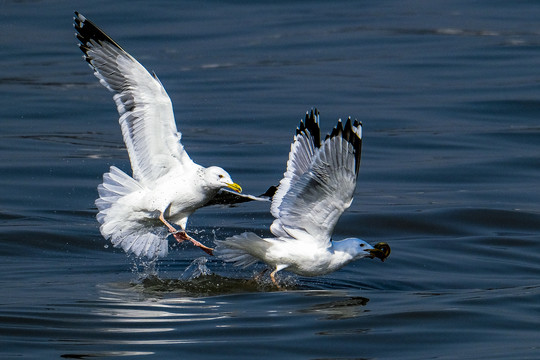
(310, 127)
(78, 16)
(352, 133)
(270, 192)
(88, 32)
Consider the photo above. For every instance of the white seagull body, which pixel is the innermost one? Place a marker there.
(167, 186)
(316, 189)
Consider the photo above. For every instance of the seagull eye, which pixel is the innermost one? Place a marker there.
(362, 245)
(220, 176)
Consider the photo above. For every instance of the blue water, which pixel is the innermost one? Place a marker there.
(448, 93)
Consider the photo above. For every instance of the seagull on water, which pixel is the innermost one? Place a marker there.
(137, 213)
(316, 189)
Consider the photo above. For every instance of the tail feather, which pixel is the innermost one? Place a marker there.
(141, 244)
(116, 184)
(117, 224)
(242, 250)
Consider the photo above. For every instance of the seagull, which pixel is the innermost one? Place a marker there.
(316, 189)
(137, 213)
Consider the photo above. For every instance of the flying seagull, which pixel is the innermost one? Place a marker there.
(137, 213)
(316, 189)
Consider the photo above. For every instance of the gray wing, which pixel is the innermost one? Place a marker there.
(305, 144)
(316, 194)
(145, 109)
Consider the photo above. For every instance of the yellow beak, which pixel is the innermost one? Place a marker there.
(235, 187)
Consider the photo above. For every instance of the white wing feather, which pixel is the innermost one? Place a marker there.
(145, 109)
(315, 195)
(305, 144)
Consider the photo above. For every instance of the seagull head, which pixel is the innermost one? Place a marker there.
(361, 249)
(218, 178)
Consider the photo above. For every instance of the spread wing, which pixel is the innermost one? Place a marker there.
(305, 144)
(319, 183)
(145, 109)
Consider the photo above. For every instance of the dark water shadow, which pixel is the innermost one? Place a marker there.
(330, 304)
(203, 286)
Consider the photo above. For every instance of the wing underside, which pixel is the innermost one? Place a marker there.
(145, 109)
(320, 180)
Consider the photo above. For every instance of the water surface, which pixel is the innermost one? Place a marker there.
(448, 95)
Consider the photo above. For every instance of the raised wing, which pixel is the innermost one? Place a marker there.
(145, 109)
(305, 144)
(316, 195)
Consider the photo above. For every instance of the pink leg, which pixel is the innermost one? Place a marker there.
(181, 236)
(169, 226)
(273, 277)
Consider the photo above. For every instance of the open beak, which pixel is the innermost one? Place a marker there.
(235, 187)
(380, 250)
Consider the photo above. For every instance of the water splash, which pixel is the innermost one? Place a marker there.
(196, 269)
(144, 268)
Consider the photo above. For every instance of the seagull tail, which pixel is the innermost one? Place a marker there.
(116, 184)
(118, 224)
(242, 250)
